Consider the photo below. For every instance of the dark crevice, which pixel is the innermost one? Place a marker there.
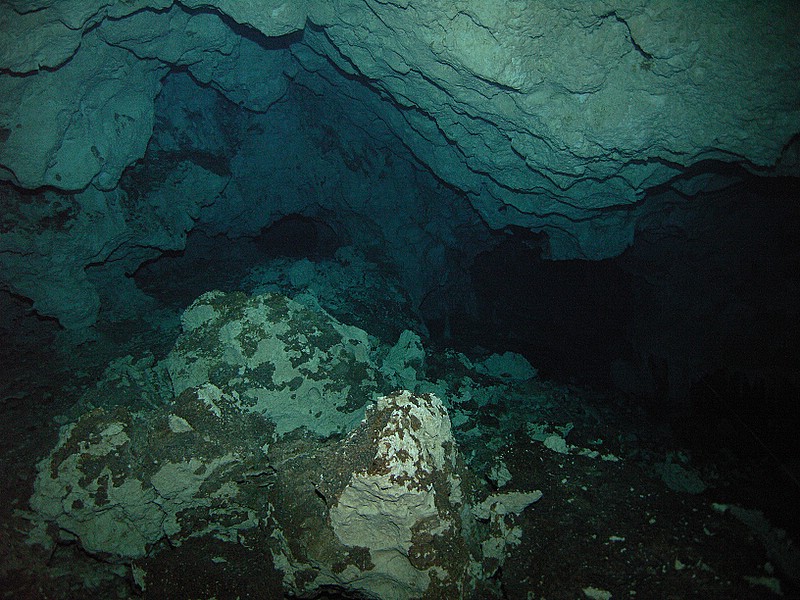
(632, 40)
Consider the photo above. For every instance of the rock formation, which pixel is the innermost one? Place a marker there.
(260, 430)
(448, 149)
(554, 117)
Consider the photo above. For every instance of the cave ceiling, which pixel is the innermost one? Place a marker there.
(557, 117)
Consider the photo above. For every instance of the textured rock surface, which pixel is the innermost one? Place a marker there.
(120, 483)
(207, 153)
(397, 510)
(548, 115)
(46, 33)
(557, 117)
(296, 366)
(238, 66)
(349, 287)
(414, 464)
(49, 240)
(204, 467)
(545, 115)
(385, 507)
(82, 123)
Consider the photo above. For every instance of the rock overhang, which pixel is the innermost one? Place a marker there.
(558, 118)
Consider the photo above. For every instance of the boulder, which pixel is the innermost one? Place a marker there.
(296, 366)
(264, 455)
(120, 483)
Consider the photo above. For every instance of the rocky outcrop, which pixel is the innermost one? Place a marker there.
(66, 251)
(398, 514)
(297, 366)
(415, 464)
(380, 507)
(560, 117)
(80, 124)
(121, 484)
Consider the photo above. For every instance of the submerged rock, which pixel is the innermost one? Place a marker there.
(398, 518)
(388, 512)
(120, 484)
(274, 452)
(413, 538)
(557, 119)
(297, 366)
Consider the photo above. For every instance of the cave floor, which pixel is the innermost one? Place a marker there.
(612, 527)
(603, 528)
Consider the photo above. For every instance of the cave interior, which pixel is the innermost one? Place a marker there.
(681, 302)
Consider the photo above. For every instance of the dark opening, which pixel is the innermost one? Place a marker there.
(564, 316)
(298, 236)
(745, 425)
(219, 262)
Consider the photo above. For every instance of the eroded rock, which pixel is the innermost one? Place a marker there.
(413, 482)
(120, 483)
(388, 512)
(296, 366)
(49, 240)
(557, 119)
(383, 507)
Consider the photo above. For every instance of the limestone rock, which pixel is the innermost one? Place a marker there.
(50, 239)
(395, 523)
(499, 474)
(506, 503)
(34, 39)
(559, 118)
(46, 33)
(77, 125)
(273, 18)
(296, 366)
(405, 360)
(210, 50)
(351, 288)
(556, 116)
(413, 449)
(268, 447)
(507, 366)
(679, 475)
(120, 484)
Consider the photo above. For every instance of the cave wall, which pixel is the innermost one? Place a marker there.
(581, 101)
(320, 154)
(53, 244)
(215, 167)
(557, 117)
